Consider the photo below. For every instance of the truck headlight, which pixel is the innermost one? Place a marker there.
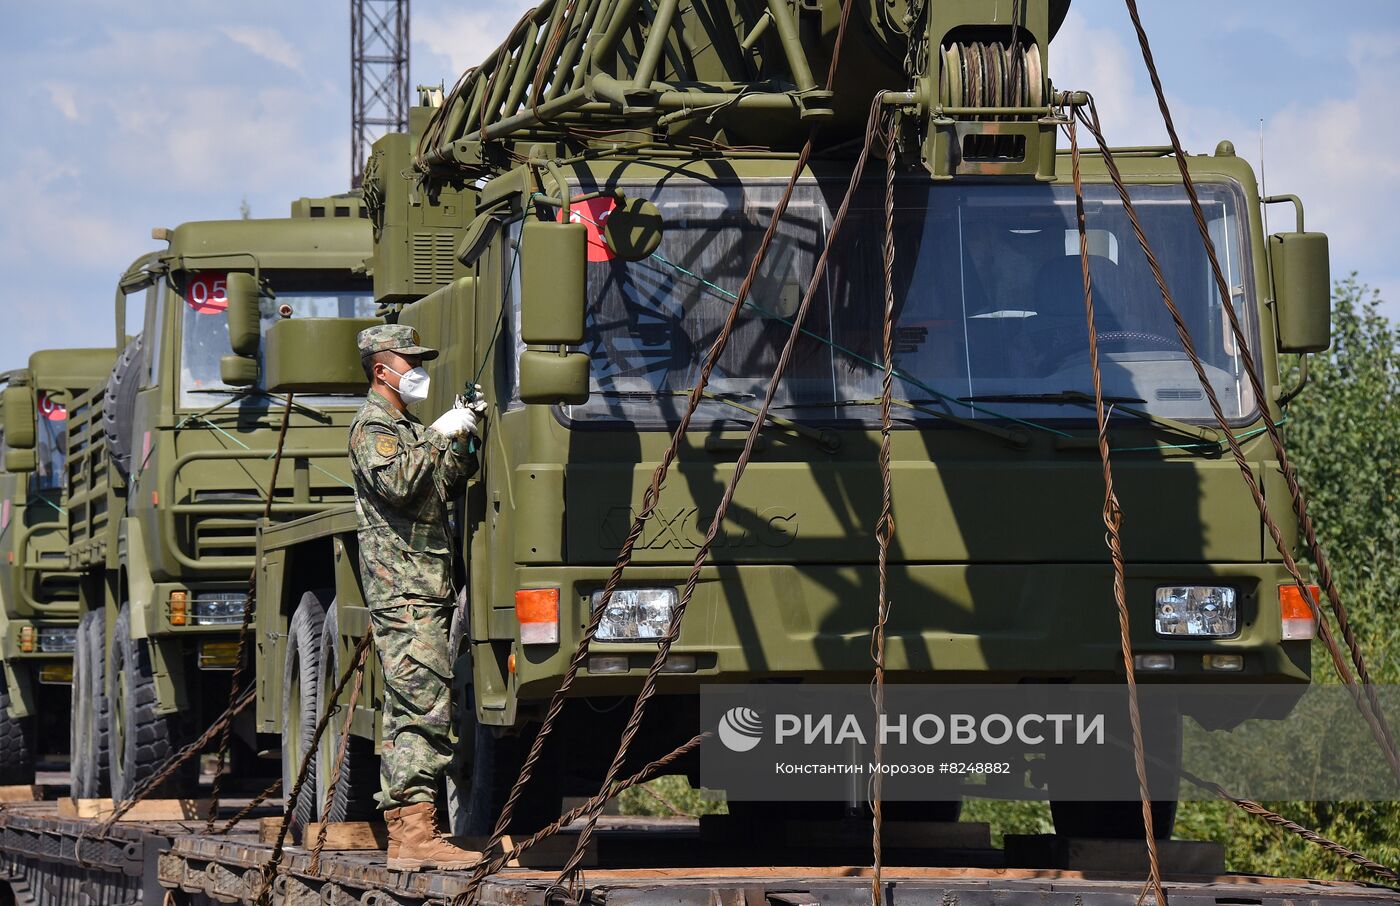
(218, 608)
(1200, 611)
(58, 638)
(635, 614)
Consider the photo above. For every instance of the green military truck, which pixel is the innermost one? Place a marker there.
(572, 231)
(38, 593)
(169, 462)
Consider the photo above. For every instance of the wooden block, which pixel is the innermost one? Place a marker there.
(145, 810)
(894, 834)
(21, 793)
(347, 835)
(1176, 857)
(551, 852)
(269, 828)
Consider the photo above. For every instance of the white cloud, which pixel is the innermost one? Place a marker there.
(56, 221)
(149, 120)
(1331, 151)
(1108, 64)
(266, 43)
(466, 37)
(64, 98)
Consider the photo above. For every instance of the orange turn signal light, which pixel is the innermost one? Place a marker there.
(1296, 612)
(26, 639)
(537, 612)
(179, 608)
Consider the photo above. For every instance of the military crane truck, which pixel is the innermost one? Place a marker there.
(571, 225)
(38, 593)
(169, 465)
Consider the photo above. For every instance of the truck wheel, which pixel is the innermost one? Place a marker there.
(142, 741)
(88, 767)
(489, 765)
(16, 743)
(301, 675)
(120, 406)
(1122, 820)
(358, 781)
(1112, 820)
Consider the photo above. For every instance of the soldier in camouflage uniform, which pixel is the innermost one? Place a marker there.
(405, 473)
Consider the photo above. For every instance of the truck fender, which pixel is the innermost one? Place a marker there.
(136, 578)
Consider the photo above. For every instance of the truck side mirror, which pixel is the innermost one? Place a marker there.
(21, 460)
(17, 402)
(553, 299)
(1302, 291)
(553, 273)
(244, 333)
(237, 371)
(334, 368)
(549, 378)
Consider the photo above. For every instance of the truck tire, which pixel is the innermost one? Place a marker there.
(16, 743)
(1112, 820)
(301, 677)
(88, 767)
(487, 770)
(119, 408)
(358, 780)
(1122, 820)
(142, 741)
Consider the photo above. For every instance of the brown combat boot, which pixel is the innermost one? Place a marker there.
(414, 841)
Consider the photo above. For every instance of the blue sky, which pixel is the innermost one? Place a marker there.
(124, 116)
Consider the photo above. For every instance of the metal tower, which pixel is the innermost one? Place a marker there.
(378, 75)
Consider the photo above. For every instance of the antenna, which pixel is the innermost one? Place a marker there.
(378, 75)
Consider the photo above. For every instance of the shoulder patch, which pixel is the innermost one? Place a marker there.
(386, 444)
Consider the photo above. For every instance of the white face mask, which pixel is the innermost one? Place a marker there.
(413, 384)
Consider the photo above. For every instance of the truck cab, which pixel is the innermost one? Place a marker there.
(38, 592)
(592, 272)
(172, 462)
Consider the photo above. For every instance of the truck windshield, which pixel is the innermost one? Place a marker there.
(989, 303)
(204, 331)
(51, 443)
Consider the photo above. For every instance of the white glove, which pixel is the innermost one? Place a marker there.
(456, 422)
(478, 403)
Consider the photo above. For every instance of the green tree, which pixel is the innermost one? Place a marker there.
(1343, 434)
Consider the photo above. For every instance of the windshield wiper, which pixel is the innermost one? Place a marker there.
(240, 393)
(1207, 436)
(823, 438)
(1014, 437)
(1064, 396)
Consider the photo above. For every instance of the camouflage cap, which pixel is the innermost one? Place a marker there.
(398, 338)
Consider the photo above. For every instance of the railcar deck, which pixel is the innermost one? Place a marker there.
(50, 860)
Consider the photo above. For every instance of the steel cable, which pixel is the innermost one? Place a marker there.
(269, 868)
(717, 520)
(1113, 520)
(1363, 702)
(1290, 475)
(884, 526)
(500, 860)
(249, 607)
(252, 806)
(652, 494)
(1254, 808)
(334, 779)
(171, 764)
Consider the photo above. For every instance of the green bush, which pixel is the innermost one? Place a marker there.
(1343, 434)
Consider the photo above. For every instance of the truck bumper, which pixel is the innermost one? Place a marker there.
(948, 623)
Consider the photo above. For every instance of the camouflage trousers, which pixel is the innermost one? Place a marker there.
(411, 637)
